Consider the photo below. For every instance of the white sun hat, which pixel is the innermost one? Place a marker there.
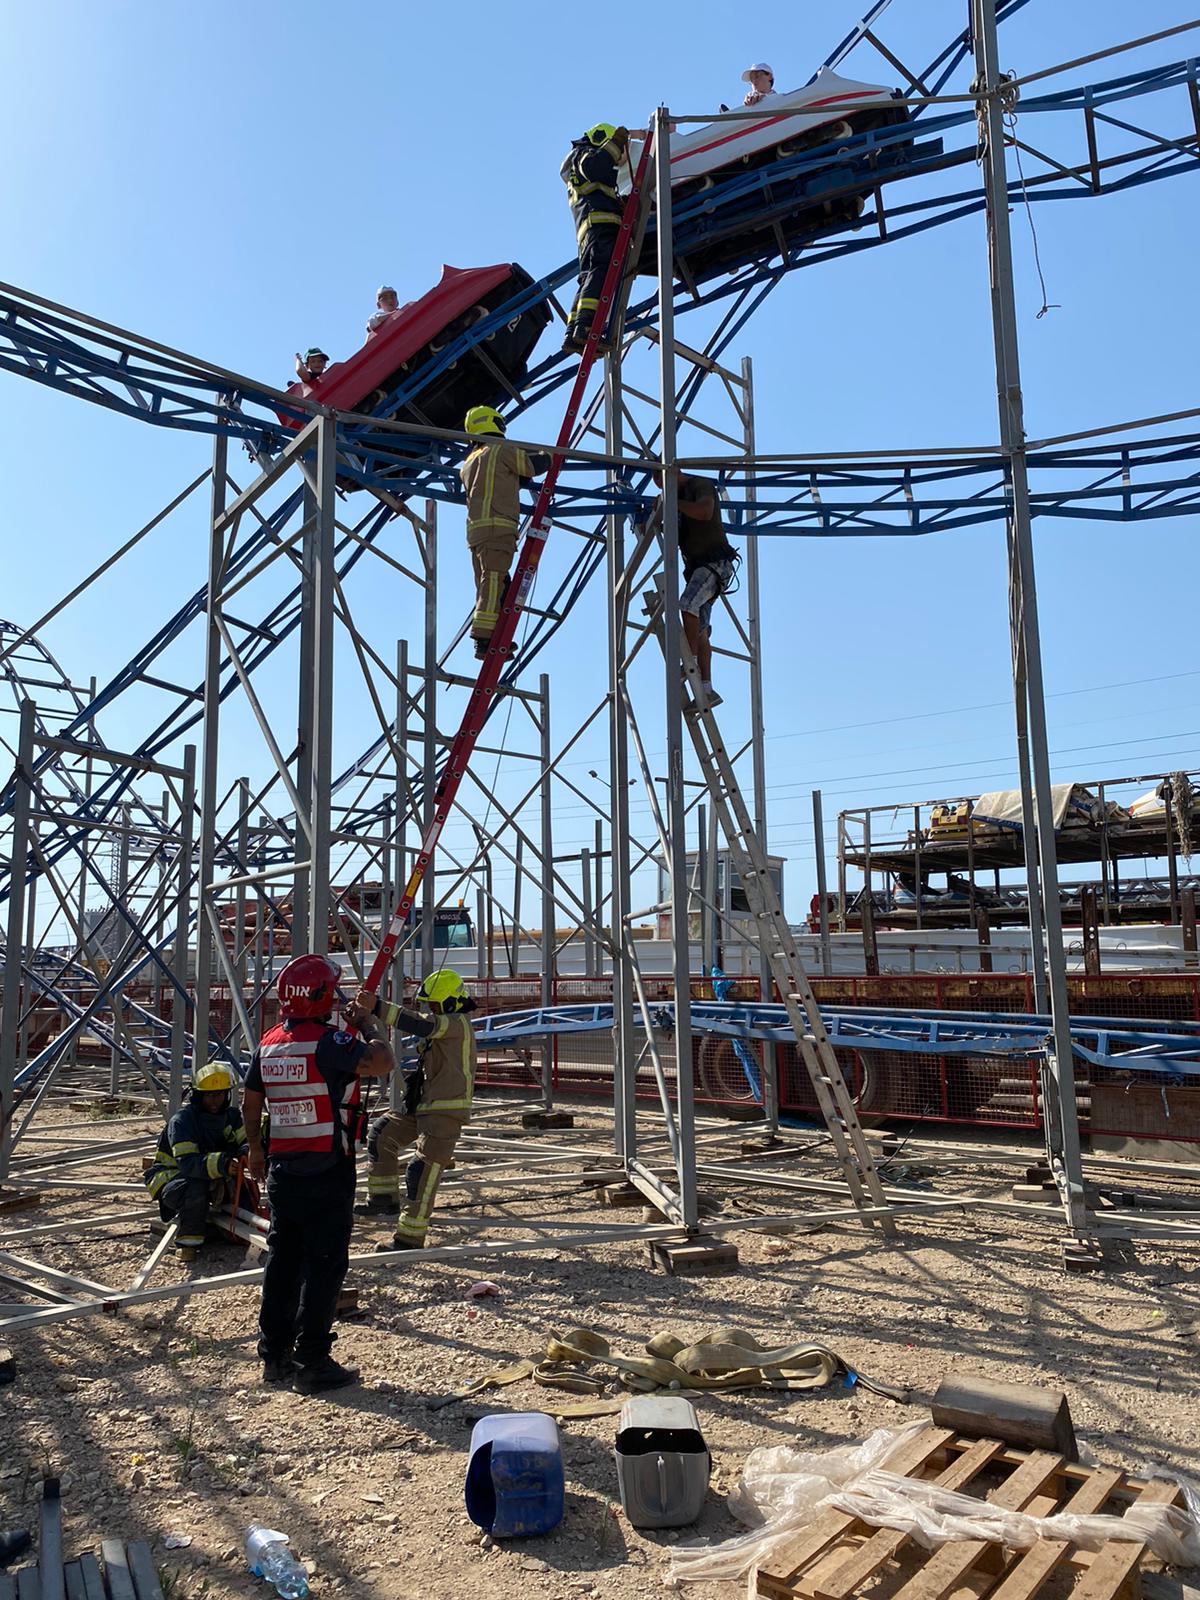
(759, 66)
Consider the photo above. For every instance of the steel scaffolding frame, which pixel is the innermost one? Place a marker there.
(254, 846)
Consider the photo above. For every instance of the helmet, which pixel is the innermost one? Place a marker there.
(442, 988)
(214, 1077)
(307, 987)
(603, 132)
(484, 419)
(315, 351)
(385, 288)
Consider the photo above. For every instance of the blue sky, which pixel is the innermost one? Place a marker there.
(236, 180)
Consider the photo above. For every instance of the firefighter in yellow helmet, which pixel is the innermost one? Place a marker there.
(590, 172)
(492, 475)
(437, 1104)
(197, 1158)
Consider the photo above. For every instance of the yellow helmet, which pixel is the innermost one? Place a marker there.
(603, 132)
(484, 419)
(214, 1077)
(441, 987)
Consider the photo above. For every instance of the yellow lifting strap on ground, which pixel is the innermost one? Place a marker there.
(728, 1358)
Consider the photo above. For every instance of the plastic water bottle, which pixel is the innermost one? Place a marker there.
(268, 1556)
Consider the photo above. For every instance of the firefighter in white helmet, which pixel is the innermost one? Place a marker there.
(437, 1104)
(198, 1155)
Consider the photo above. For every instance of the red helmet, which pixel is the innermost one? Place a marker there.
(307, 987)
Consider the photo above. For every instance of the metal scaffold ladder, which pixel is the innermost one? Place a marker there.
(612, 298)
(749, 860)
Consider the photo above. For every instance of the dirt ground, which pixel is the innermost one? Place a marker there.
(158, 1424)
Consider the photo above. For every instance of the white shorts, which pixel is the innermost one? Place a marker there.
(703, 588)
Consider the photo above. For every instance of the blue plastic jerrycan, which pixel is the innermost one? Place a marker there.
(515, 1482)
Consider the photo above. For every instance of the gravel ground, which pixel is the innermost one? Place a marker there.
(156, 1420)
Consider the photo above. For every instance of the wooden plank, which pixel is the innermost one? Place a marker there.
(1036, 1565)
(949, 1565)
(774, 1578)
(73, 1577)
(116, 1570)
(1115, 1561)
(93, 1583)
(141, 1567)
(1019, 1413)
(846, 1580)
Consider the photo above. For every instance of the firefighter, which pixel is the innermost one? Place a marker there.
(492, 475)
(197, 1157)
(590, 173)
(437, 1104)
(307, 1075)
(709, 567)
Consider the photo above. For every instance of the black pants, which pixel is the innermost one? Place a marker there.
(595, 253)
(308, 1251)
(187, 1199)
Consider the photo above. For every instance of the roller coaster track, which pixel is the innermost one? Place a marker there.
(1121, 479)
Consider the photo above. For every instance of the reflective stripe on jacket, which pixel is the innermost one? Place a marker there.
(304, 1118)
(492, 475)
(181, 1152)
(448, 1061)
(590, 175)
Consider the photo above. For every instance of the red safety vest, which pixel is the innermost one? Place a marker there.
(304, 1119)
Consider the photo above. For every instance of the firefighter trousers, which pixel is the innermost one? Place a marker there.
(188, 1201)
(308, 1251)
(435, 1134)
(491, 558)
(595, 252)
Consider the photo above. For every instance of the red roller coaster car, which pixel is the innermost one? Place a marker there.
(418, 331)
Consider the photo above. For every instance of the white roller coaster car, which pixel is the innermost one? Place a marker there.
(829, 108)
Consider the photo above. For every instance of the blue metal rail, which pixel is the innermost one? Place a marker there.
(1168, 1048)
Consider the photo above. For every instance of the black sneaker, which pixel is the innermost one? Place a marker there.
(378, 1205)
(327, 1374)
(278, 1369)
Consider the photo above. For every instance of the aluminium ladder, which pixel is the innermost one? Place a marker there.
(612, 298)
(749, 860)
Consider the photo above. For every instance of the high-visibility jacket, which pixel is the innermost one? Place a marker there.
(195, 1144)
(590, 174)
(492, 475)
(446, 1052)
(304, 1118)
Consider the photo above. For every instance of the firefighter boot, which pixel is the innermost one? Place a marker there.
(326, 1374)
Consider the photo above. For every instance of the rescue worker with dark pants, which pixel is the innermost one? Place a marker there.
(492, 475)
(590, 173)
(709, 566)
(437, 1105)
(307, 1076)
(197, 1157)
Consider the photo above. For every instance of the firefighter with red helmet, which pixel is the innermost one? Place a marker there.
(307, 1077)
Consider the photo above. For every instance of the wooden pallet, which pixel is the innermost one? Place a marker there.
(127, 1574)
(839, 1557)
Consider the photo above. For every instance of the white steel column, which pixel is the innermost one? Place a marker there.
(1059, 1107)
(676, 796)
(209, 757)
